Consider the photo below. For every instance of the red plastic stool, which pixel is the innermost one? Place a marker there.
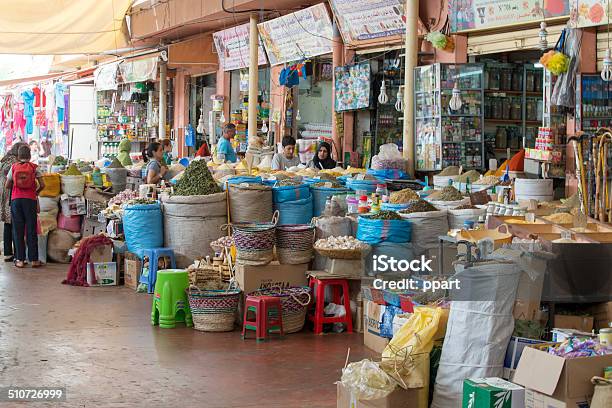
(266, 316)
(317, 286)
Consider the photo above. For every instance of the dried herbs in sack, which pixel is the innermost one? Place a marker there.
(196, 180)
(383, 227)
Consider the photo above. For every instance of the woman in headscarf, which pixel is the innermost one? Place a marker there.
(6, 163)
(322, 160)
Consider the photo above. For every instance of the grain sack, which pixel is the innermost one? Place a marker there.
(426, 228)
(59, 242)
(48, 203)
(191, 223)
(73, 185)
(456, 218)
(47, 220)
(52, 185)
(250, 202)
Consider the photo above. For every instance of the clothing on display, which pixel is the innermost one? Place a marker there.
(28, 112)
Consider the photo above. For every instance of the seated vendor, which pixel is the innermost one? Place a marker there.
(225, 151)
(322, 160)
(287, 158)
(153, 155)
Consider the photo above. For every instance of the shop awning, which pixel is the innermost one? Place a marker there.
(62, 27)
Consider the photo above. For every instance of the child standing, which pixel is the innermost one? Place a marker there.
(24, 205)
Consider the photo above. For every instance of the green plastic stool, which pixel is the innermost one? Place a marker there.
(170, 303)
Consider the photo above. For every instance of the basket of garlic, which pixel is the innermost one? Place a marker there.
(343, 247)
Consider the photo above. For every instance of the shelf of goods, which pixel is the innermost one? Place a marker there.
(513, 105)
(443, 136)
(593, 103)
(389, 121)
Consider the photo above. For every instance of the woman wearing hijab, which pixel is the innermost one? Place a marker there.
(322, 160)
(5, 199)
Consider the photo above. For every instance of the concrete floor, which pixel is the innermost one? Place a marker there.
(100, 345)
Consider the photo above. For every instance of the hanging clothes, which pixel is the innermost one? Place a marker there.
(60, 89)
(19, 120)
(28, 112)
(39, 97)
(50, 108)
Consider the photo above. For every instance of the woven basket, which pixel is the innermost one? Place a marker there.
(213, 310)
(294, 302)
(255, 241)
(294, 243)
(342, 253)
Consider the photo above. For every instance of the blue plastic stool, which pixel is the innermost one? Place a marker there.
(154, 255)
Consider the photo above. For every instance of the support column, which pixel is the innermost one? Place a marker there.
(163, 106)
(337, 60)
(412, 14)
(253, 75)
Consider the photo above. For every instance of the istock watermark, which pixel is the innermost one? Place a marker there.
(384, 263)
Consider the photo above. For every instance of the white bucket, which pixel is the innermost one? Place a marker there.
(534, 189)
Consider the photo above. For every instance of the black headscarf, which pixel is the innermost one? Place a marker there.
(328, 163)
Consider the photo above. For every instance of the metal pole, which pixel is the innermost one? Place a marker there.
(412, 14)
(253, 77)
(163, 83)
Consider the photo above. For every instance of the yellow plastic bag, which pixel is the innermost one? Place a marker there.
(52, 185)
(406, 357)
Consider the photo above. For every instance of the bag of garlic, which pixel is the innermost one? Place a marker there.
(330, 227)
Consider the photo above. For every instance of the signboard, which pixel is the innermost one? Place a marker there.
(352, 84)
(483, 14)
(296, 36)
(369, 19)
(589, 13)
(233, 48)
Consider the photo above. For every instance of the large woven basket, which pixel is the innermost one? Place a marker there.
(294, 302)
(255, 241)
(294, 243)
(213, 310)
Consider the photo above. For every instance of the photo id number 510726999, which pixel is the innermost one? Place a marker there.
(32, 394)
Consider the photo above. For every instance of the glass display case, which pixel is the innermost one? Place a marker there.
(593, 102)
(444, 136)
(513, 106)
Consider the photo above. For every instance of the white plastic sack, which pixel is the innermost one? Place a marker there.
(389, 157)
(366, 380)
(74, 186)
(456, 218)
(447, 205)
(426, 228)
(48, 203)
(478, 331)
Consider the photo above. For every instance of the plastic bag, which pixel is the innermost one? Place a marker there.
(388, 157)
(406, 357)
(563, 93)
(366, 380)
(294, 212)
(373, 231)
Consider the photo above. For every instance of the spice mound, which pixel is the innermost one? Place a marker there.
(403, 196)
(487, 181)
(449, 171)
(560, 218)
(419, 205)
(327, 184)
(466, 207)
(448, 193)
(115, 164)
(289, 182)
(384, 215)
(72, 170)
(472, 175)
(196, 180)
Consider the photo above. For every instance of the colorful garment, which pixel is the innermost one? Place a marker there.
(28, 112)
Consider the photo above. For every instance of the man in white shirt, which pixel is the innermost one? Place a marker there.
(288, 158)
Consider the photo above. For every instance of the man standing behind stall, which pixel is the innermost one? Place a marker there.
(225, 151)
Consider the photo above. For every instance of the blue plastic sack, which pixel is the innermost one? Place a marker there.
(386, 328)
(294, 212)
(319, 197)
(290, 193)
(391, 174)
(143, 227)
(372, 231)
(393, 207)
(369, 186)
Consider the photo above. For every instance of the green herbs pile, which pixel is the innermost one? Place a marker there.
(72, 170)
(385, 215)
(60, 161)
(115, 164)
(196, 180)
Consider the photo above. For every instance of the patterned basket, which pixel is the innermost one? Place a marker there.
(294, 302)
(294, 243)
(255, 241)
(213, 310)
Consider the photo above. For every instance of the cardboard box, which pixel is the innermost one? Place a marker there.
(534, 399)
(562, 379)
(492, 393)
(580, 323)
(514, 353)
(102, 274)
(251, 278)
(399, 398)
(602, 313)
(133, 269)
(102, 254)
(373, 319)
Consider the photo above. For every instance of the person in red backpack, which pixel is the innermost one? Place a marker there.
(25, 182)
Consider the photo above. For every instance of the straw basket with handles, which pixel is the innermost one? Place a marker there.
(499, 238)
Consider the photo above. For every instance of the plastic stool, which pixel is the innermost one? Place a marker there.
(170, 303)
(317, 286)
(268, 315)
(154, 255)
